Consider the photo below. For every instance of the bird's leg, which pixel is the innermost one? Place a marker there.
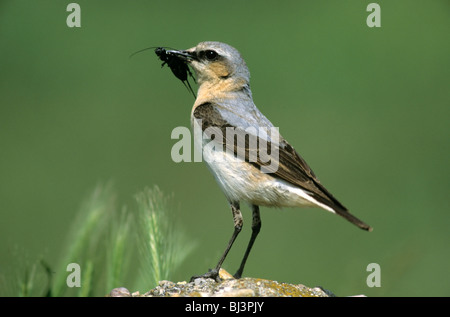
(238, 222)
(256, 227)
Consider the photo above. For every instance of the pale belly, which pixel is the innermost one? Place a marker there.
(241, 181)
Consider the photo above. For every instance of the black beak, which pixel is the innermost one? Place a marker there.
(184, 55)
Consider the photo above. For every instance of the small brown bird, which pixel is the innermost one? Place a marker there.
(235, 141)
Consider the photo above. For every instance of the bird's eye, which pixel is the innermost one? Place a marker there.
(211, 55)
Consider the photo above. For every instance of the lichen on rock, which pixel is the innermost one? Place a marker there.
(229, 287)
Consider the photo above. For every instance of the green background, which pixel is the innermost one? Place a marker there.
(368, 109)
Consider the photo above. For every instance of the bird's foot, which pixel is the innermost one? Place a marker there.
(213, 274)
(238, 273)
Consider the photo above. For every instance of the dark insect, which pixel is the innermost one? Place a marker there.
(177, 64)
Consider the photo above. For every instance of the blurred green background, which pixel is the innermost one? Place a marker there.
(368, 109)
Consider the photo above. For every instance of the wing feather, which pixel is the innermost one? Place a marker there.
(284, 163)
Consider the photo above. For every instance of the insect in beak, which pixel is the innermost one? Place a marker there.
(178, 63)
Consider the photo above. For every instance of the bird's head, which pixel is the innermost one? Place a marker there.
(216, 63)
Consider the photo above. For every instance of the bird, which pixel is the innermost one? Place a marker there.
(233, 132)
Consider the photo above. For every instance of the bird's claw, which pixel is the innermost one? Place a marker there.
(212, 274)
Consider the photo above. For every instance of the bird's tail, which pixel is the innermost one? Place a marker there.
(333, 204)
(345, 214)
